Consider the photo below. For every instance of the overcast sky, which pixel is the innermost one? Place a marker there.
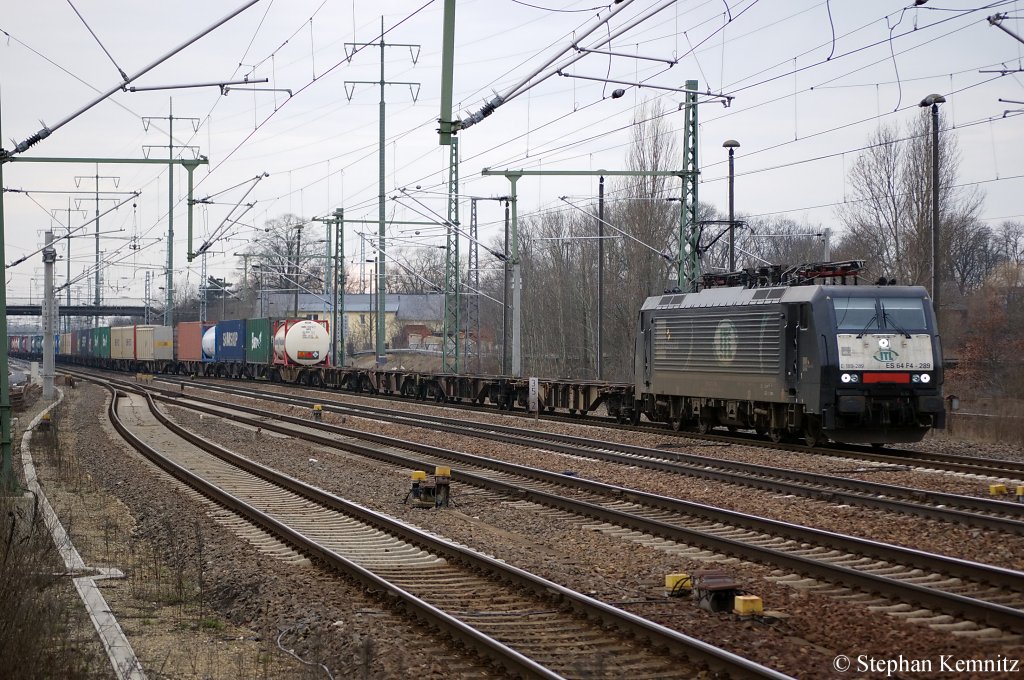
(811, 81)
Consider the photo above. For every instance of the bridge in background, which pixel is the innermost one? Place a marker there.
(86, 310)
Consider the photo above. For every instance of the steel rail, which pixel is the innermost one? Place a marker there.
(697, 650)
(992, 467)
(886, 497)
(1001, 616)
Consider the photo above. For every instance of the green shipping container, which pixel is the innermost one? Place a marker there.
(259, 345)
(101, 343)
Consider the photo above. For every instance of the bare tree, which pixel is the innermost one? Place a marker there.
(416, 270)
(781, 240)
(287, 257)
(633, 268)
(888, 219)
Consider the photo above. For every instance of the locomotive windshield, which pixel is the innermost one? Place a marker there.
(900, 313)
(867, 314)
(853, 314)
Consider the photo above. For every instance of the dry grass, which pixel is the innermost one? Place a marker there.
(44, 631)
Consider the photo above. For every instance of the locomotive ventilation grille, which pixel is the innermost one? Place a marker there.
(743, 342)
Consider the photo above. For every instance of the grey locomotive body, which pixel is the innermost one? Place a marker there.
(850, 363)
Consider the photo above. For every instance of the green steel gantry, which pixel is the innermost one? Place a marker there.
(336, 275)
(448, 129)
(689, 229)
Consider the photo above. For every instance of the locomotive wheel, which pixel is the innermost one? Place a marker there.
(775, 434)
(676, 423)
(705, 422)
(812, 433)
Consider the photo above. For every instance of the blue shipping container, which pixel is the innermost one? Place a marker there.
(231, 340)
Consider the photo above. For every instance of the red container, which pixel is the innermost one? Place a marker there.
(188, 340)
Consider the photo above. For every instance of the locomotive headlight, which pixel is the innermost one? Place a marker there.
(915, 378)
(854, 378)
(846, 377)
(925, 378)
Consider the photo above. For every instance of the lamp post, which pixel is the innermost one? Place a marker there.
(933, 100)
(373, 300)
(731, 145)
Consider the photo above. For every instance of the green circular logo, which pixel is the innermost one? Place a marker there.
(726, 339)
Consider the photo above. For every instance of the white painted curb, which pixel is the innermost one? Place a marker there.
(119, 650)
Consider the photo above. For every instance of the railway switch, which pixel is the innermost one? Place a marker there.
(997, 489)
(677, 585)
(418, 478)
(431, 492)
(1020, 494)
(714, 590)
(442, 486)
(318, 412)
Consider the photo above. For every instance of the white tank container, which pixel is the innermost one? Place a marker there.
(304, 342)
(210, 342)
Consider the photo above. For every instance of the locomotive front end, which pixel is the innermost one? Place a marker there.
(887, 376)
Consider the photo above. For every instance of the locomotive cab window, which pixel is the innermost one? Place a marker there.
(855, 314)
(903, 313)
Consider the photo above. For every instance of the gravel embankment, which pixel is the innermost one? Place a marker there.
(810, 630)
(198, 602)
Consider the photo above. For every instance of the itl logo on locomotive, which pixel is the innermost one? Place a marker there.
(885, 351)
(725, 341)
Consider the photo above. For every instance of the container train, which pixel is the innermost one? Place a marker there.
(280, 351)
(801, 352)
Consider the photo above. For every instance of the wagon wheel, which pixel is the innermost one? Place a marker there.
(677, 422)
(775, 434)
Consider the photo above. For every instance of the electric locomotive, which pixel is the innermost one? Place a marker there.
(806, 351)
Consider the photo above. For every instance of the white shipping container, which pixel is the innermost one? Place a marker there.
(122, 342)
(163, 342)
(154, 342)
(143, 342)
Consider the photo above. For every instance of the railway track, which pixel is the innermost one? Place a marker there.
(967, 597)
(956, 508)
(983, 467)
(477, 600)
